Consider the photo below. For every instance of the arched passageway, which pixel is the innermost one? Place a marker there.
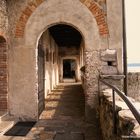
(60, 57)
(24, 72)
(61, 96)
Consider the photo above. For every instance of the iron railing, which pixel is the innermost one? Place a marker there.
(130, 105)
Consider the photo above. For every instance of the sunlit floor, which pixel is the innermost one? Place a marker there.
(63, 117)
(65, 102)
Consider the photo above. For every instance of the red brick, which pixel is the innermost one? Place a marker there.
(3, 75)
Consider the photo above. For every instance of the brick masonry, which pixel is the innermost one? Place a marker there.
(3, 55)
(99, 15)
(3, 74)
(94, 7)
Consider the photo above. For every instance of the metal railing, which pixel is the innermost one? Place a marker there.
(130, 105)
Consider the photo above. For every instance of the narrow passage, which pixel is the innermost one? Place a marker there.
(63, 117)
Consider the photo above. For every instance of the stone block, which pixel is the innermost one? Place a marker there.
(108, 55)
(109, 70)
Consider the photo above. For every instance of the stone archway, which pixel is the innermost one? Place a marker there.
(23, 77)
(93, 7)
(3, 75)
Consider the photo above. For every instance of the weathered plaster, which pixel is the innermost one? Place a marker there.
(114, 20)
(23, 83)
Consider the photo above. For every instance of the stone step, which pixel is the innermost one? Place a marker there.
(8, 117)
(5, 125)
(3, 115)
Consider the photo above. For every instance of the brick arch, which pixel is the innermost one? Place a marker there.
(99, 15)
(90, 4)
(3, 74)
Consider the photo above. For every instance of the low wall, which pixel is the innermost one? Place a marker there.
(134, 85)
(126, 123)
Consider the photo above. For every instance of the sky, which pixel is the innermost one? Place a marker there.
(132, 8)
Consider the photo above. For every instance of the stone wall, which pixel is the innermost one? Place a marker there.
(92, 69)
(68, 51)
(126, 124)
(41, 74)
(3, 18)
(3, 75)
(134, 85)
(50, 61)
(3, 56)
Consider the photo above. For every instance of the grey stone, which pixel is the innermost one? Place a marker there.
(109, 70)
(127, 124)
(109, 55)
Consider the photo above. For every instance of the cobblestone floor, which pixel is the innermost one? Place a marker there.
(63, 117)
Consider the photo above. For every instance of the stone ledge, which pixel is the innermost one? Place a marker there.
(106, 70)
(114, 77)
(126, 122)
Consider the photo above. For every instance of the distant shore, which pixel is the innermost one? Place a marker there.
(134, 67)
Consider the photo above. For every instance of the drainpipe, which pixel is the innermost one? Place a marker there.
(124, 48)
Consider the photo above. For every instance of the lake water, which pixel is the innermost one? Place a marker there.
(134, 67)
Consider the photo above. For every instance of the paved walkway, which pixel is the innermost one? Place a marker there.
(63, 117)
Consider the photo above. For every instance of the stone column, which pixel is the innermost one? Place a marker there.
(92, 68)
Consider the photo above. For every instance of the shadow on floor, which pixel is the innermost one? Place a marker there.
(62, 118)
(20, 129)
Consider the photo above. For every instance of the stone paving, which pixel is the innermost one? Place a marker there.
(63, 117)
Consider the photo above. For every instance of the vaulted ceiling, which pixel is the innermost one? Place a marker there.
(65, 35)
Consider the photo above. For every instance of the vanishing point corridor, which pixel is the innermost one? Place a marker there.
(63, 117)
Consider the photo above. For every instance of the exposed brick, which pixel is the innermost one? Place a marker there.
(28, 11)
(24, 18)
(100, 18)
(38, 2)
(87, 3)
(90, 4)
(3, 74)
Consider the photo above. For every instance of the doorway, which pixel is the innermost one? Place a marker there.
(69, 69)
